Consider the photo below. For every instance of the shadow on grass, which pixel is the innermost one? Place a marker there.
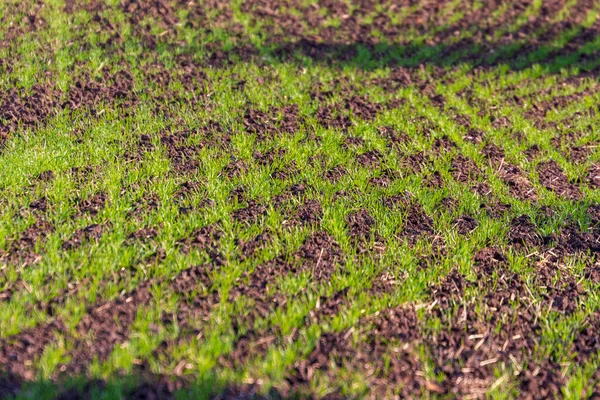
(142, 386)
(576, 48)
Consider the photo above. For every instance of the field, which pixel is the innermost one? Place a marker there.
(307, 199)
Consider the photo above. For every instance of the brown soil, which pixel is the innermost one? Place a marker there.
(23, 250)
(334, 174)
(553, 178)
(321, 253)
(523, 232)
(26, 109)
(266, 125)
(282, 201)
(433, 180)
(587, 342)
(394, 137)
(183, 156)
(309, 213)
(251, 213)
(362, 108)
(416, 224)
(200, 298)
(235, 168)
(464, 169)
(360, 228)
(267, 158)
(465, 224)
(142, 235)
(369, 159)
(518, 185)
(18, 352)
(493, 153)
(90, 233)
(92, 205)
(472, 341)
(204, 239)
(471, 345)
(384, 179)
(286, 172)
(392, 334)
(578, 154)
(353, 142)
(109, 89)
(40, 204)
(415, 162)
(106, 325)
(330, 117)
(593, 177)
(360, 224)
(328, 307)
(250, 247)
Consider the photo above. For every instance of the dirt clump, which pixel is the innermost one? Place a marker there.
(465, 224)
(397, 201)
(416, 224)
(183, 156)
(18, 352)
(523, 232)
(593, 176)
(109, 89)
(363, 108)
(473, 136)
(384, 179)
(89, 233)
(321, 253)
(40, 204)
(553, 178)
(26, 109)
(571, 240)
(199, 298)
(109, 323)
(360, 229)
(334, 174)
(370, 158)
(248, 248)
(394, 137)
(251, 213)
(387, 351)
(23, 250)
(586, 343)
(235, 168)
(559, 289)
(578, 154)
(206, 238)
(92, 205)
(327, 307)
(470, 346)
(449, 289)
(266, 125)
(330, 117)
(493, 153)
(442, 145)
(144, 234)
(360, 224)
(159, 10)
(269, 157)
(309, 213)
(286, 172)
(464, 169)
(353, 141)
(415, 162)
(518, 185)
